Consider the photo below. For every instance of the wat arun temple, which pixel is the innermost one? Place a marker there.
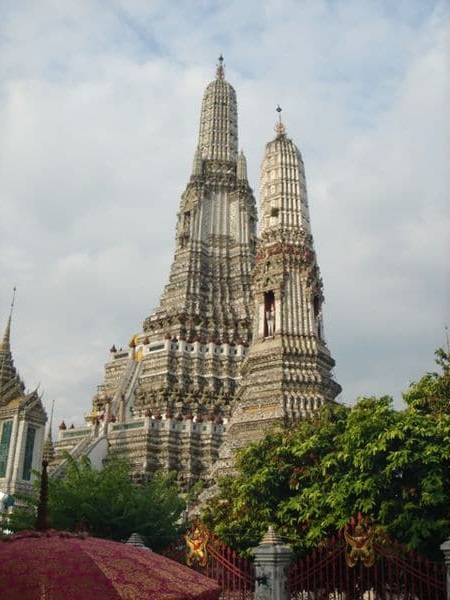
(236, 344)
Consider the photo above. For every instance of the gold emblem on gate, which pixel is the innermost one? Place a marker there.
(360, 543)
(196, 540)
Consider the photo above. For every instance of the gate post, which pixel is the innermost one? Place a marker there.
(445, 547)
(271, 561)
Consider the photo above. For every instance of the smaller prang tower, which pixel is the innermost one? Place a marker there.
(288, 371)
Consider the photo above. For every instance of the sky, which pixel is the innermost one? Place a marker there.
(99, 113)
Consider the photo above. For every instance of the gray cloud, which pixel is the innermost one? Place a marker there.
(99, 108)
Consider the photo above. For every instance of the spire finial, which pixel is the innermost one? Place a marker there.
(220, 73)
(13, 299)
(279, 127)
(7, 334)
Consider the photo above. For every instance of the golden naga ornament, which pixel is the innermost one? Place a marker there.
(196, 541)
(360, 543)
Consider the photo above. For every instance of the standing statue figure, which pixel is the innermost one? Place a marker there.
(196, 542)
(270, 321)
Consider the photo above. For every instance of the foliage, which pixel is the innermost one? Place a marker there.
(310, 479)
(108, 504)
(432, 393)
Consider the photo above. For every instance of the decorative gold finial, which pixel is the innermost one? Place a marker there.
(279, 127)
(220, 73)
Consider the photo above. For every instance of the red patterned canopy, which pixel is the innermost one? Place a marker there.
(53, 565)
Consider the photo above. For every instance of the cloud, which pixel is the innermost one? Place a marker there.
(99, 111)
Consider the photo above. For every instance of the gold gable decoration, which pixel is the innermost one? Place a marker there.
(196, 540)
(360, 542)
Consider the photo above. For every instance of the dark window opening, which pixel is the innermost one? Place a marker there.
(29, 447)
(4, 446)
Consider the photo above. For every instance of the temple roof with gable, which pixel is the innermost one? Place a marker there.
(13, 397)
(11, 385)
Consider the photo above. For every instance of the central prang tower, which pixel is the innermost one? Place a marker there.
(208, 294)
(205, 308)
(182, 371)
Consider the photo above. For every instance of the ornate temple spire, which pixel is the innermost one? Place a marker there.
(288, 344)
(5, 344)
(284, 200)
(217, 215)
(10, 382)
(205, 309)
(218, 136)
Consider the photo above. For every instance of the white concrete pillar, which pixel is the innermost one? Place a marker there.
(271, 561)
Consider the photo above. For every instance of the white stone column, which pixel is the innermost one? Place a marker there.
(271, 562)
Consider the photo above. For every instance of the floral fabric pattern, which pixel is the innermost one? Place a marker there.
(57, 566)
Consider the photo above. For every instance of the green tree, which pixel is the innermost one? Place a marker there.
(108, 504)
(310, 479)
(432, 393)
